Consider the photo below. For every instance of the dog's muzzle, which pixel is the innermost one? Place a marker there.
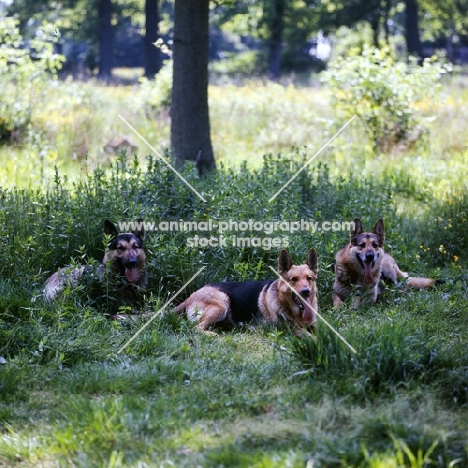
(305, 293)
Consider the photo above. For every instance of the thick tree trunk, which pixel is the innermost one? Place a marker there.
(105, 46)
(413, 41)
(152, 55)
(190, 127)
(276, 39)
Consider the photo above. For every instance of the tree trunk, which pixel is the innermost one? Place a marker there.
(190, 126)
(276, 39)
(105, 46)
(386, 16)
(413, 41)
(152, 55)
(375, 26)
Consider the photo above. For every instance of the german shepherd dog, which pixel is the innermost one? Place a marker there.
(124, 261)
(363, 263)
(229, 303)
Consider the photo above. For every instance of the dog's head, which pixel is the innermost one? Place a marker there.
(301, 304)
(367, 249)
(125, 253)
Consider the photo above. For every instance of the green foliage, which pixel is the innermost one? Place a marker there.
(248, 63)
(156, 94)
(24, 69)
(48, 230)
(387, 359)
(448, 239)
(383, 93)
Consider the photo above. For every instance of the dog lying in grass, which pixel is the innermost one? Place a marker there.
(226, 304)
(363, 263)
(124, 261)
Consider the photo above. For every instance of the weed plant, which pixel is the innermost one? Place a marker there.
(251, 397)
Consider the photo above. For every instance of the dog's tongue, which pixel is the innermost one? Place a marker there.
(368, 278)
(131, 274)
(307, 314)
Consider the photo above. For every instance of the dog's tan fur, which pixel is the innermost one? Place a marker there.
(224, 304)
(363, 263)
(124, 257)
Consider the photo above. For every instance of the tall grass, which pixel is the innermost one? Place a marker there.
(389, 358)
(254, 396)
(74, 121)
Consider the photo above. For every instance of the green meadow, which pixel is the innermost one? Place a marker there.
(73, 390)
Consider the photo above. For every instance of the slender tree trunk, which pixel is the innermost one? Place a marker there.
(387, 5)
(413, 41)
(375, 26)
(276, 39)
(105, 46)
(152, 55)
(190, 126)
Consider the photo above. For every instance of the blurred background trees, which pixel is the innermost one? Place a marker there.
(269, 37)
(120, 41)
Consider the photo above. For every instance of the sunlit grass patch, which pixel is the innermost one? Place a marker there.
(71, 126)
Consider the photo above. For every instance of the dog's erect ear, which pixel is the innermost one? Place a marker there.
(284, 262)
(140, 232)
(312, 260)
(357, 229)
(379, 230)
(110, 228)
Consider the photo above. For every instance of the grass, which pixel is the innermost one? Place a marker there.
(254, 397)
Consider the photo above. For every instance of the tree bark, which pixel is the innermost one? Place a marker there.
(276, 39)
(152, 53)
(105, 46)
(413, 41)
(375, 26)
(386, 15)
(190, 126)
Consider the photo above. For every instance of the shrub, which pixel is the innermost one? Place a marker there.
(246, 63)
(23, 72)
(383, 93)
(157, 94)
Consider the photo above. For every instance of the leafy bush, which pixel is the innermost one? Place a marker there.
(246, 63)
(24, 69)
(157, 94)
(383, 93)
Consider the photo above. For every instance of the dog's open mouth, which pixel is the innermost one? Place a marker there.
(131, 274)
(307, 314)
(367, 267)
